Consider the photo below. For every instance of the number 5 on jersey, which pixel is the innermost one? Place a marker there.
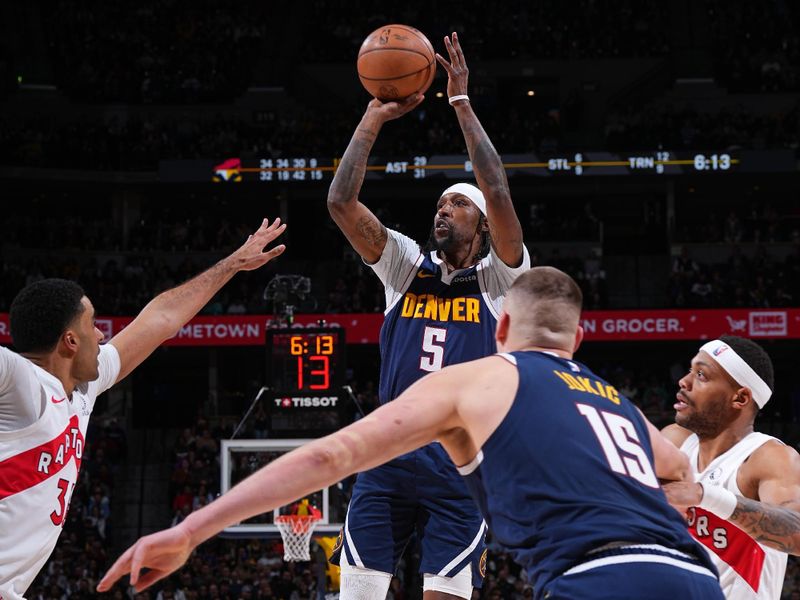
(432, 356)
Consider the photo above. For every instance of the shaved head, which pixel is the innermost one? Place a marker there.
(545, 308)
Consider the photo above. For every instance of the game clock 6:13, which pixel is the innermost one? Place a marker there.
(305, 360)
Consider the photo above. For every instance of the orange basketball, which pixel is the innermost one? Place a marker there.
(396, 61)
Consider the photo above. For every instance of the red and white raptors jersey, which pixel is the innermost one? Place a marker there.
(39, 463)
(747, 570)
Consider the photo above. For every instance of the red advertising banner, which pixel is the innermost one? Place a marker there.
(600, 326)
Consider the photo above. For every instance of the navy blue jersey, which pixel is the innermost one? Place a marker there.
(568, 470)
(434, 318)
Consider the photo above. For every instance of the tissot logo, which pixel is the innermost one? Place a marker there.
(306, 401)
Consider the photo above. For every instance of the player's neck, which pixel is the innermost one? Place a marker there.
(528, 348)
(713, 446)
(57, 367)
(460, 258)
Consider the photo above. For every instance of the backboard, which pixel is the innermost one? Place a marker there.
(241, 458)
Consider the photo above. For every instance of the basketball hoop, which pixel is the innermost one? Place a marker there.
(296, 532)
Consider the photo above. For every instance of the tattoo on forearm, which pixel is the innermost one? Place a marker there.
(350, 174)
(372, 230)
(774, 526)
(490, 165)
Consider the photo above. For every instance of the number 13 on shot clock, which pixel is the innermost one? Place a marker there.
(305, 361)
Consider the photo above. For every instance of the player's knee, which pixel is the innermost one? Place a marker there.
(358, 583)
(459, 585)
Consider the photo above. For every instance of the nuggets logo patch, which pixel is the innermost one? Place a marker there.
(339, 541)
(482, 563)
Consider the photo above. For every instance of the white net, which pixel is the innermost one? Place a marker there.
(296, 532)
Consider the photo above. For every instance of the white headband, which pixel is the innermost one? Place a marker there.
(737, 368)
(471, 192)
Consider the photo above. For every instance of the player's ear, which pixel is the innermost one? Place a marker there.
(501, 331)
(578, 339)
(69, 340)
(742, 398)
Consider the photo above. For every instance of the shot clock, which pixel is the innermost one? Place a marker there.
(305, 374)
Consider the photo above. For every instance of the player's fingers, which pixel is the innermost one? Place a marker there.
(117, 570)
(416, 102)
(412, 101)
(271, 235)
(445, 65)
(459, 52)
(451, 51)
(276, 251)
(276, 223)
(137, 562)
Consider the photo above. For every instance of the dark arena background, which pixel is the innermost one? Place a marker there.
(651, 149)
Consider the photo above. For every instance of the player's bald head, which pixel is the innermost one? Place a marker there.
(545, 308)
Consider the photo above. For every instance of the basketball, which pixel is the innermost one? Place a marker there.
(396, 61)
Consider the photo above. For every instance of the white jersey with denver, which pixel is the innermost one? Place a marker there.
(39, 464)
(747, 570)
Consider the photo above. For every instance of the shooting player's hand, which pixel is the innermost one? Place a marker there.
(457, 71)
(388, 111)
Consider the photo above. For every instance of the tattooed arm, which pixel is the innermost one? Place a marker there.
(504, 226)
(772, 477)
(769, 509)
(165, 314)
(362, 228)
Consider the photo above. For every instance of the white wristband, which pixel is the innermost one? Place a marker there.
(454, 99)
(718, 500)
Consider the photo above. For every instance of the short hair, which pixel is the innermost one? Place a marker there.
(42, 311)
(552, 305)
(754, 355)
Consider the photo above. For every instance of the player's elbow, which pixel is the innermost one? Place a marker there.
(335, 204)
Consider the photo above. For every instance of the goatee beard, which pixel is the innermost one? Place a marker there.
(444, 244)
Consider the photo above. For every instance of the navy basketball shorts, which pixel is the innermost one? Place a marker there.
(635, 572)
(420, 492)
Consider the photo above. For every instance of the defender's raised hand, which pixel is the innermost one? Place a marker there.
(457, 71)
(251, 255)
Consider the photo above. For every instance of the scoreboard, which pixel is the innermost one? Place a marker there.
(305, 373)
(659, 163)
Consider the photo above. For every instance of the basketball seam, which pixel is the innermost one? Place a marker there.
(395, 78)
(421, 37)
(428, 66)
(397, 49)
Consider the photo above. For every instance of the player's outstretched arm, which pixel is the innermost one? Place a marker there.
(163, 316)
(772, 473)
(407, 423)
(362, 228)
(504, 226)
